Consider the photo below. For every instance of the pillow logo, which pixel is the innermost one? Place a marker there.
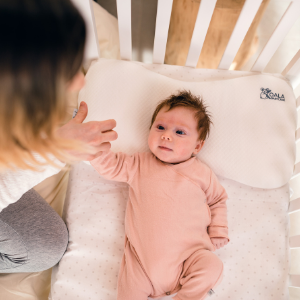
(267, 94)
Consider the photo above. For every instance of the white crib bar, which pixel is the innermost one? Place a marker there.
(164, 9)
(205, 13)
(124, 23)
(292, 70)
(288, 19)
(243, 23)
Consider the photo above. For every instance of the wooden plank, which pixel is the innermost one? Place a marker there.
(295, 261)
(296, 170)
(294, 293)
(294, 242)
(292, 70)
(294, 206)
(224, 18)
(295, 280)
(124, 23)
(205, 13)
(287, 21)
(164, 9)
(240, 30)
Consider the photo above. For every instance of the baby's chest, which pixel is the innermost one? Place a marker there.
(173, 190)
(178, 201)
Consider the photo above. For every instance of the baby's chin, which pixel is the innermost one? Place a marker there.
(170, 160)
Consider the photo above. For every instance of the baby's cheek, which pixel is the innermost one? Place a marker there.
(151, 141)
(185, 150)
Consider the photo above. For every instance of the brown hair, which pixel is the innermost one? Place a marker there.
(41, 50)
(187, 99)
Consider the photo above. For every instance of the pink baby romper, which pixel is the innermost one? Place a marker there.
(171, 214)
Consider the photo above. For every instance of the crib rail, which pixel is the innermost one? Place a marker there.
(204, 16)
(92, 48)
(292, 70)
(161, 30)
(205, 12)
(124, 23)
(287, 21)
(294, 206)
(244, 21)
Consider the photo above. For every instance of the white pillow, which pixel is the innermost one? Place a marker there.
(252, 140)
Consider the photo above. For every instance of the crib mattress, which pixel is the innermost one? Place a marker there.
(256, 261)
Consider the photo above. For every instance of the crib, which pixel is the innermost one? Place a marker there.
(72, 279)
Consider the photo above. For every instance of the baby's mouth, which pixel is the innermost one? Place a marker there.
(164, 148)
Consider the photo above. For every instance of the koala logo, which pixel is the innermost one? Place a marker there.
(267, 94)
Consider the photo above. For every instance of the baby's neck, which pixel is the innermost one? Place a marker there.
(176, 162)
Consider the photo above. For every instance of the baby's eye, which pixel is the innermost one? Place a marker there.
(160, 127)
(180, 132)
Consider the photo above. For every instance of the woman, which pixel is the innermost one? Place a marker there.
(41, 52)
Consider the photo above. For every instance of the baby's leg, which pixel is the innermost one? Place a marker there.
(133, 283)
(202, 271)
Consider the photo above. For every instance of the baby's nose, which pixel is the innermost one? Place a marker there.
(165, 137)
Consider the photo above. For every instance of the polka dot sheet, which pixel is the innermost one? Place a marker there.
(256, 260)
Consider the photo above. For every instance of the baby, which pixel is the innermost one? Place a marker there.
(176, 213)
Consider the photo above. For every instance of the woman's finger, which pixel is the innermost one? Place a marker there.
(104, 147)
(102, 126)
(100, 148)
(108, 136)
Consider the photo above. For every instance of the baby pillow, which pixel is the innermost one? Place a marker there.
(252, 139)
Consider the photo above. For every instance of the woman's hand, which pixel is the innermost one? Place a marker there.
(97, 134)
(219, 242)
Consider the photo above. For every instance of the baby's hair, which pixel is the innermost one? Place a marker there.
(186, 99)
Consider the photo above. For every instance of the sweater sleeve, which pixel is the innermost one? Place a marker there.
(216, 200)
(116, 166)
(13, 184)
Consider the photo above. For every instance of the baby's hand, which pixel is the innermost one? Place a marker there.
(219, 242)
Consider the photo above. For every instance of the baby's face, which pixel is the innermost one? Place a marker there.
(173, 136)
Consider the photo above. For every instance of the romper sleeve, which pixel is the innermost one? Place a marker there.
(116, 166)
(216, 200)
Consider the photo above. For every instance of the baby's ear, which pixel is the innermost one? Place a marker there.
(199, 145)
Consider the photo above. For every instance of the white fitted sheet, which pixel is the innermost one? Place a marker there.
(256, 260)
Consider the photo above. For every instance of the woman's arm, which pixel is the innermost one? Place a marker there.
(13, 184)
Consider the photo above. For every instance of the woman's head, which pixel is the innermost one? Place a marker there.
(41, 51)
